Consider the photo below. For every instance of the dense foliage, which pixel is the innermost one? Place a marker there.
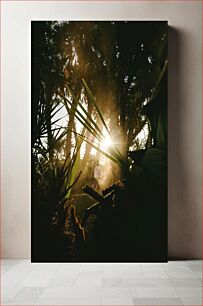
(122, 64)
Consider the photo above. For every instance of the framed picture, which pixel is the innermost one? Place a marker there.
(99, 141)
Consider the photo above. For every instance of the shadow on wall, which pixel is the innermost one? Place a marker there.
(184, 218)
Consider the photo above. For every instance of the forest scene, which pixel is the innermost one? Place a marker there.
(99, 141)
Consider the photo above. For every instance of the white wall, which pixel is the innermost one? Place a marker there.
(184, 113)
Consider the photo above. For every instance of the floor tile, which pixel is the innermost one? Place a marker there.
(157, 301)
(175, 263)
(151, 292)
(74, 292)
(23, 265)
(92, 267)
(177, 268)
(178, 274)
(172, 283)
(194, 301)
(122, 268)
(189, 291)
(197, 268)
(9, 292)
(147, 282)
(112, 282)
(71, 267)
(12, 281)
(198, 274)
(67, 274)
(156, 274)
(117, 301)
(30, 292)
(116, 292)
(11, 261)
(185, 282)
(21, 301)
(37, 279)
(90, 274)
(61, 282)
(193, 262)
(4, 301)
(97, 282)
(15, 275)
(69, 301)
(5, 268)
(122, 274)
(46, 267)
(152, 268)
(115, 266)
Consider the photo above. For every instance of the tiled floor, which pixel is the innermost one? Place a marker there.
(173, 283)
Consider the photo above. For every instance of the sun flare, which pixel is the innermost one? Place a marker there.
(106, 142)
